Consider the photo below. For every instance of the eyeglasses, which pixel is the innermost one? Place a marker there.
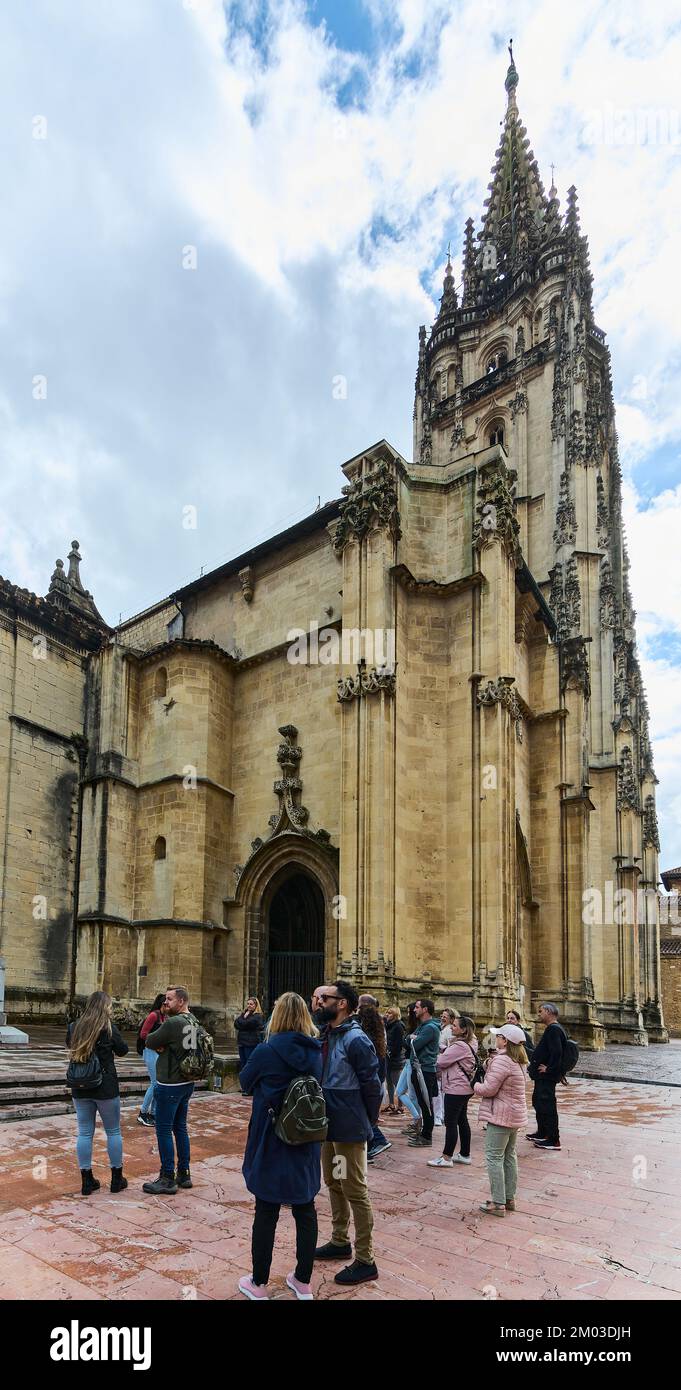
(323, 997)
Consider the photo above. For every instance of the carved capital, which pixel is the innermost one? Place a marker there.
(501, 692)
(368, 681)
(368, 504)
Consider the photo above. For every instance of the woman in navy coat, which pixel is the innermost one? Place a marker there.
(280, 1174)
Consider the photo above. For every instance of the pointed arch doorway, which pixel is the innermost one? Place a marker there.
(295, 937)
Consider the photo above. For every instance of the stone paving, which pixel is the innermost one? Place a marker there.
(599, 1221)
(659, 1064)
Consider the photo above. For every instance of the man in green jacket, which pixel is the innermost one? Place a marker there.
(425, 1043)
(176, 1035)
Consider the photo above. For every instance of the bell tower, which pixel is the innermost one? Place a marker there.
(515, 359)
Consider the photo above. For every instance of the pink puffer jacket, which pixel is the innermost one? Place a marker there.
(503, 1094)
(455, 1066)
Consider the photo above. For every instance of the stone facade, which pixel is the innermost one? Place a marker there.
(425, 803)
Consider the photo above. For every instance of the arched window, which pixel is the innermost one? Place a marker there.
(160, 848)
(495, 433)
(161, 682)
(498, 358)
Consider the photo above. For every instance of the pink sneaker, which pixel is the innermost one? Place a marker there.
(257, 1292)
(302, 1291)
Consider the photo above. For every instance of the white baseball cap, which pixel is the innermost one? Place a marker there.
(511, 1032)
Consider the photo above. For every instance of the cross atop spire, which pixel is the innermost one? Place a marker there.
(512, 78)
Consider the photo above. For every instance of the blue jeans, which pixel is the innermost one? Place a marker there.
(246, 1051)
(171, 1119)
(150, 1062)
(405, 1093)
(86, 1115)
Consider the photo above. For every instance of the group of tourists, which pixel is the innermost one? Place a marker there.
(317, 1075)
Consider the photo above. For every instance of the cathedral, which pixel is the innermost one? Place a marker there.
(404, 742)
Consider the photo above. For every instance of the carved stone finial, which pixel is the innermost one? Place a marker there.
(628, 796)
(496, 509)
(574, 665)
(74, 567)
(651, 834)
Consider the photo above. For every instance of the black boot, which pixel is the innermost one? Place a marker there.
(183, 1178)
(88, 1184)
(118, 1182)
(165, 1184)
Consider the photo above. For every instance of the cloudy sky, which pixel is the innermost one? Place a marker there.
(210, 212)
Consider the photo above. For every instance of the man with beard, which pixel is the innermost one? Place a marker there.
(352, 1092)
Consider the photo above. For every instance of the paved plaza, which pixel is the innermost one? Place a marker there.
(599, 1221)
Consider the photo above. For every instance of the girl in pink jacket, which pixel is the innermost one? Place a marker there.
(455, 1067)
(504, 1107)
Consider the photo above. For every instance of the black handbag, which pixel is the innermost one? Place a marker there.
(84, 1076)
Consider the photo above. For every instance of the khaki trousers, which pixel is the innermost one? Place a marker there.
(345, 1173)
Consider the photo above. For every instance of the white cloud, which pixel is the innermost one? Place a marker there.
(316, 228)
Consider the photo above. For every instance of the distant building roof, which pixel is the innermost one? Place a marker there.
(670, 877)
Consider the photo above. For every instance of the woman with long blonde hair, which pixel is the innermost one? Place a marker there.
(94, 1038)
(281, 1173)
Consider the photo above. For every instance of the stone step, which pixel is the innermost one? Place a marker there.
(28, 1103)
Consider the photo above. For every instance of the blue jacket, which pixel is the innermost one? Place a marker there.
(352, 1090)
(276, 1172)
(426, 1042)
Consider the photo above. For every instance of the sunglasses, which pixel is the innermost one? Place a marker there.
(324, 997)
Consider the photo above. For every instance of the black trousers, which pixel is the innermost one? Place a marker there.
(544, 1104)
(430, 1078)
(262, 1239)
(456, 1121)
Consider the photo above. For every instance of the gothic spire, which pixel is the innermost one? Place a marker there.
(517, 205)
(469, 270)
(449, 301)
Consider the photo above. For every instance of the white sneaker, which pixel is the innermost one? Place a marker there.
(458, 1158)
(441, 1162)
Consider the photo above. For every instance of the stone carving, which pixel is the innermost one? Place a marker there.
(574, 665)
(566, 517)
(501, 692)
(602, 518)
(573, 600)
(496, 509)
(651, 834)
(369, 502)
(607, 599)
(246, 581)
(518, 403)
(628, 797)
(289, 787)
(574, 450)
(368, 681)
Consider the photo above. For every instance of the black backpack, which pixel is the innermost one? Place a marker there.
(84, 1076)
(302, 1115)
(570, 1054)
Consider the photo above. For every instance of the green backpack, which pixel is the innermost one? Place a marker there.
(198, 1061)
(302, 1115)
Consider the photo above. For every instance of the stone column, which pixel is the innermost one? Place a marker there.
(366, 537)
(498, 720)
